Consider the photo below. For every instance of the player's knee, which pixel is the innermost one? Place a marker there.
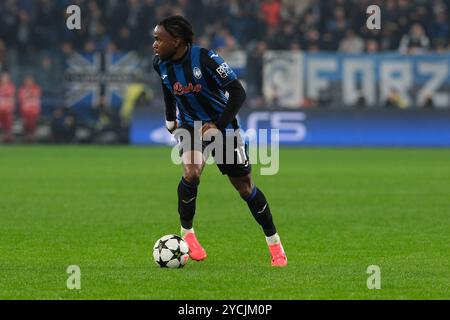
(245, 191)
(244, 187)
(192, 174)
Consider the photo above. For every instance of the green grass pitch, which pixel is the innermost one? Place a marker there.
(337, 211)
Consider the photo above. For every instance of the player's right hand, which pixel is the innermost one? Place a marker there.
(171, 126)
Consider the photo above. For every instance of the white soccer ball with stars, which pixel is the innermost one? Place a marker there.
(171, 251)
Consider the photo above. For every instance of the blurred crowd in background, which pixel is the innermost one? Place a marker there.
(310, 25)
(34, 42)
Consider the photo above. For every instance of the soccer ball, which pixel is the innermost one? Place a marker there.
(171, 251)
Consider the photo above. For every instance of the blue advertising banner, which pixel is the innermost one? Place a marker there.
(420, 128)
(352, 79)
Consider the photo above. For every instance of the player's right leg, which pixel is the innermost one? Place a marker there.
(187, 188)
(193, 164)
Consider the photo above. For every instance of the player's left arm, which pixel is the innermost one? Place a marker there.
(227, 80)
(236, 99)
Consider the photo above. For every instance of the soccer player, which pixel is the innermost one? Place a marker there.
(30, 106)
(194, 80)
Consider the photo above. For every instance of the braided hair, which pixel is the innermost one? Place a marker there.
(178, 26)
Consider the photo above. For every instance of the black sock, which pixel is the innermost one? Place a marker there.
(187, 197)
(261, 212)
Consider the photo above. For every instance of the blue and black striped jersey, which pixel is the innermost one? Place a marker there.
(197, 83)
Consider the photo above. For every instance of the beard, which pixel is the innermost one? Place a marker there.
(167, 56)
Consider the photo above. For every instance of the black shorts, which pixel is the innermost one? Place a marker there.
(230, 153)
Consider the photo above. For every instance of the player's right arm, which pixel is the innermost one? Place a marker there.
(169, 101)
(170, 109)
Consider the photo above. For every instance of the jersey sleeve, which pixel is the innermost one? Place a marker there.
(169, 100)
(236, 99)
(170, 104)
(156, 62)
(217, 68)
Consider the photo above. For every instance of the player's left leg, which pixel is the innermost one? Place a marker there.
(260, 210)
(239, 173)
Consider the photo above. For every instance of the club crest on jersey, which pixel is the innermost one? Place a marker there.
(179, 89)
(197, 72)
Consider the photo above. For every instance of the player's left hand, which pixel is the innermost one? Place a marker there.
(208, 130)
